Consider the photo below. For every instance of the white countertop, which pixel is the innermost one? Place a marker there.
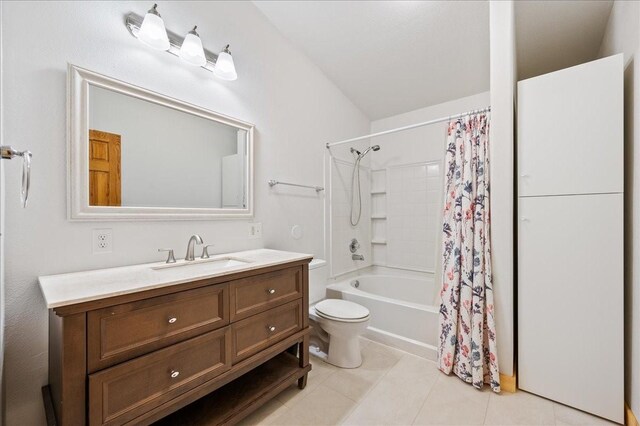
(69, 289)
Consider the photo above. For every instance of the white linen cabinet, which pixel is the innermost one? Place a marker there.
(570, 237)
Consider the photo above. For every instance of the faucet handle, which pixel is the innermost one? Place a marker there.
(205, 251)
(171, 258)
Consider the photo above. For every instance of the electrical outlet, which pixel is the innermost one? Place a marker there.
(255, 231)
(102, 241)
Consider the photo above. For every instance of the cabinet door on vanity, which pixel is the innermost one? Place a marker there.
(119, 333)
(570, 301)
(570, 130)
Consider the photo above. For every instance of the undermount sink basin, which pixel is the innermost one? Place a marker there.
(204, 265)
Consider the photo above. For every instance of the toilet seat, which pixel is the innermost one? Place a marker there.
(341, 310)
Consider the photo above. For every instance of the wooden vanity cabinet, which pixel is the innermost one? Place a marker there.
(225, 345)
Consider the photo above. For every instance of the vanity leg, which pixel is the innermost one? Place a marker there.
(67, 367)
(302, 381)
(303, 346)
(303, 354)
(303, 351)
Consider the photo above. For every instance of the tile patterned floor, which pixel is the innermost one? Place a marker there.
(396, 388)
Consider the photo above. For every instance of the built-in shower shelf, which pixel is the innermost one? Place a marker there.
(378, 192)
(378, 217)
(383, 242)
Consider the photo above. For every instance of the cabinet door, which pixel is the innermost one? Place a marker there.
(570, 301)
(118, 395)
(121, 332)
(570, 130)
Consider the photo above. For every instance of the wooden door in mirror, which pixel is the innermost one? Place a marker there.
(104, 169)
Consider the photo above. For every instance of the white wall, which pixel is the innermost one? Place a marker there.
(623, 36)
(294, 107)
(503, 80)
(419, 145)
(162, 150)
(425, 143)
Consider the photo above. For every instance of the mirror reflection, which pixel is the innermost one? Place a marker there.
(145, 154)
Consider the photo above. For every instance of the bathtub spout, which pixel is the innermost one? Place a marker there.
(357, 257)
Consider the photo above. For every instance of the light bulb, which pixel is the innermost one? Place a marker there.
(191, 50)
(225, 69)
(152, 31)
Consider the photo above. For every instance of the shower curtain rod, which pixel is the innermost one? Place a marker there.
(411, 126)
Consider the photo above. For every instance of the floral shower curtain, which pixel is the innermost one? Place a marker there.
(466, 325)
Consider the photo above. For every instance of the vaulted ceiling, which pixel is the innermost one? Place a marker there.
(391, 57)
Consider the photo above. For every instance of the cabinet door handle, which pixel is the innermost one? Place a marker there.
(174, 374)
(172, 320)
(271, 328)
(525, 219)
(271, 291)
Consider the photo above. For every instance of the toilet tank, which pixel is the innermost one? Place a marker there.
(317, 280)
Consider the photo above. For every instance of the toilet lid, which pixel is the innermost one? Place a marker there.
(341, 309)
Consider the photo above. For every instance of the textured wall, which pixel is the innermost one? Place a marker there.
(293, 105)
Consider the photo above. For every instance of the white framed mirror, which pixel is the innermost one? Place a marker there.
(134, 154)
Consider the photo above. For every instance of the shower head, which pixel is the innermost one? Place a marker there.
(366, 151)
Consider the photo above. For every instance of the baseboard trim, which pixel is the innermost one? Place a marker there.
(630, 418)
(508, 383)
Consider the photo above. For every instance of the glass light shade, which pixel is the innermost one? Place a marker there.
(225, 69)
(152, 31)
(192, 51)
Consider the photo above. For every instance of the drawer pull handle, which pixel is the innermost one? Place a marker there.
(271, 291)
(174, 374)
(271, 328)
(172, 320)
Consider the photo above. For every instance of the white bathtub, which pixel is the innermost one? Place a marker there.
(401, 307)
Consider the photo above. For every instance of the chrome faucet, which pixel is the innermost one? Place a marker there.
(357, 257)
(195, 239)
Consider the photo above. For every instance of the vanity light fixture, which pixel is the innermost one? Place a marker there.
(152, 32)
(191, 50)
(225, 69)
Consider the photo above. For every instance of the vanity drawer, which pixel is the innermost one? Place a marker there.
(121, 332)
(254, 334)
(256, 294)
(122, 393)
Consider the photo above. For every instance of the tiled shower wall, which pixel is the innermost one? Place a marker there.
(413, 195)
(401, 192)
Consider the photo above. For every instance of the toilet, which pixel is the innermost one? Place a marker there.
(337, 324)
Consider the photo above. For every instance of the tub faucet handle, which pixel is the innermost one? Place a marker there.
(357, 257)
